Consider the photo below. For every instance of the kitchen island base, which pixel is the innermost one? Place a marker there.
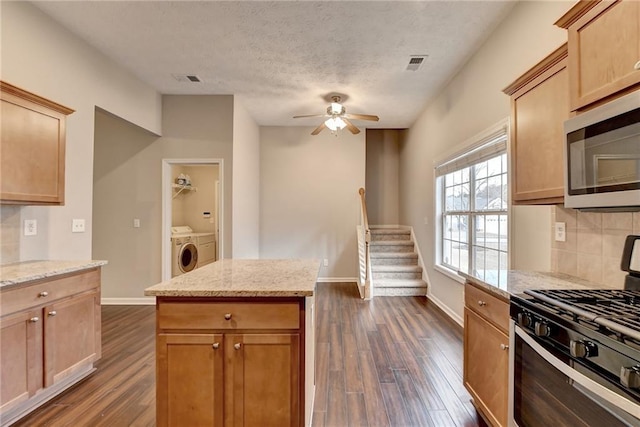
(231, 361)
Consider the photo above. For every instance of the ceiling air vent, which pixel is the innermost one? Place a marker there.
(186, 78)
(415, 62)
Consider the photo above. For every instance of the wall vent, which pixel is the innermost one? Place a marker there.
(186, 78)
(415, 62)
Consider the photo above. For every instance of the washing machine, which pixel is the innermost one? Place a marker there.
(184, 252)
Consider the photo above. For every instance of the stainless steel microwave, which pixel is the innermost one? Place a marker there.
(602, 156)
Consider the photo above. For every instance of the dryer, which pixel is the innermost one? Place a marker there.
(184, 252)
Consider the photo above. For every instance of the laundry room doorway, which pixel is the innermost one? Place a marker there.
(192, 214)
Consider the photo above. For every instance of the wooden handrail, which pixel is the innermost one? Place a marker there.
(367, 238)
(363, 206)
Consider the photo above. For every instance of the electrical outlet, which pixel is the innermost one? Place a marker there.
(136, 222)
(30, 227)
(77, 226)
(561, 231)
(326, 262)
(426, 220)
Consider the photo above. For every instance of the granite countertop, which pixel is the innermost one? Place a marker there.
(243, 278)
(21, 272)
(516, 282)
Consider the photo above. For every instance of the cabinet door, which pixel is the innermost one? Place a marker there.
(262, 380)
(71, 335)
(604, 46)
(33, 148)
(539, 110)
(486, 367)
(20, 358)
(189, 379)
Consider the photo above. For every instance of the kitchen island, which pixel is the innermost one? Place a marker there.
(235, 344)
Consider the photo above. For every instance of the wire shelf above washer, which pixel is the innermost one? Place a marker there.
(182, 188)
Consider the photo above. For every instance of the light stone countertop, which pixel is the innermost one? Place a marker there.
(20, 272)
(244, 278)
(518, 281)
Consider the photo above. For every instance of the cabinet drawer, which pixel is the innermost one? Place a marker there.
(44, 291)
(486, 305)
(242, 315)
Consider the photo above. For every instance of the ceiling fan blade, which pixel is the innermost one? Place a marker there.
(310, 115)
(318, 129)
(362, 117)
(354, 130)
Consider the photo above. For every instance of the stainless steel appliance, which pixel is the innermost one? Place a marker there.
(575, 358)
(602, 156)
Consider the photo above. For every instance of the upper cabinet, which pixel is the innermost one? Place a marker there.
(32, 148)
(539, 107)
(604, 49)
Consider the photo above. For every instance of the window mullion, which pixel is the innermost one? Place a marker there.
(472, 218)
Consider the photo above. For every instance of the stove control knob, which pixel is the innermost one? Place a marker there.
(630, 376)
(524, 319)
(542, 329)
(583, 349)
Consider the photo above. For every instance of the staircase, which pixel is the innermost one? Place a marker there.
(394, 263)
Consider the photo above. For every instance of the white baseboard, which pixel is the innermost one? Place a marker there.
(337, 279)
(453, 315)
(129, 301)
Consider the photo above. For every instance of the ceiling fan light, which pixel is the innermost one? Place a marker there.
(336, 108)
(335, 123)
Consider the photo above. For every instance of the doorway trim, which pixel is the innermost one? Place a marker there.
(166, 208)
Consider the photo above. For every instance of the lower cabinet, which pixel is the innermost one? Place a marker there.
(49, 338)
(241, 372)
(486, 354)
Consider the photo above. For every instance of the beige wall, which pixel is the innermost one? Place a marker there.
(309, 196)
(383, 175)
(593, 246)
(471, 102)
(39, 55)
(128, 185)
(246, 184)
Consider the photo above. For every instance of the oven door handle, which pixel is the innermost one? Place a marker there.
(599, 390)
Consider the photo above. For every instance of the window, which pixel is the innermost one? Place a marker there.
(472, 203)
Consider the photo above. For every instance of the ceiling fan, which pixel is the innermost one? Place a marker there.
(338, 118)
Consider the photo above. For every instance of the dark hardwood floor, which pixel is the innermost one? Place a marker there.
(393, 361)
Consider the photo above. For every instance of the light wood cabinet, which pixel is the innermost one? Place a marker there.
(539, 107)
(49, 338)
(230, 362)
(32, 148)
(604, 49)
(486, 353)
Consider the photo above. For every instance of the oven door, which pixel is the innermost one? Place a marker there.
(547, 389)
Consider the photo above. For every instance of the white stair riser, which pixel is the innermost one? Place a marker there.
(399, 292)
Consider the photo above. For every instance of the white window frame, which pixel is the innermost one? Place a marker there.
(485, 145)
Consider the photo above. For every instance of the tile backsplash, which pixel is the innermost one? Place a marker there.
(9, 234)
(594, 243)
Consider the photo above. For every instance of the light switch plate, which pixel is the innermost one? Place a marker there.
(136, 222)
(561, 231)
(30, 227)
(77, 226)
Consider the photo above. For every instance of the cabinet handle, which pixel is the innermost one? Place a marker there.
(34, 319)
(227, 316)
(237, 346)
(216, 345)
(43, 294)
(482, 303)
(53, 313)
(637, 66)
(504, 347)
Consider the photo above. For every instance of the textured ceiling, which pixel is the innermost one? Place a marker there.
(284, 58)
